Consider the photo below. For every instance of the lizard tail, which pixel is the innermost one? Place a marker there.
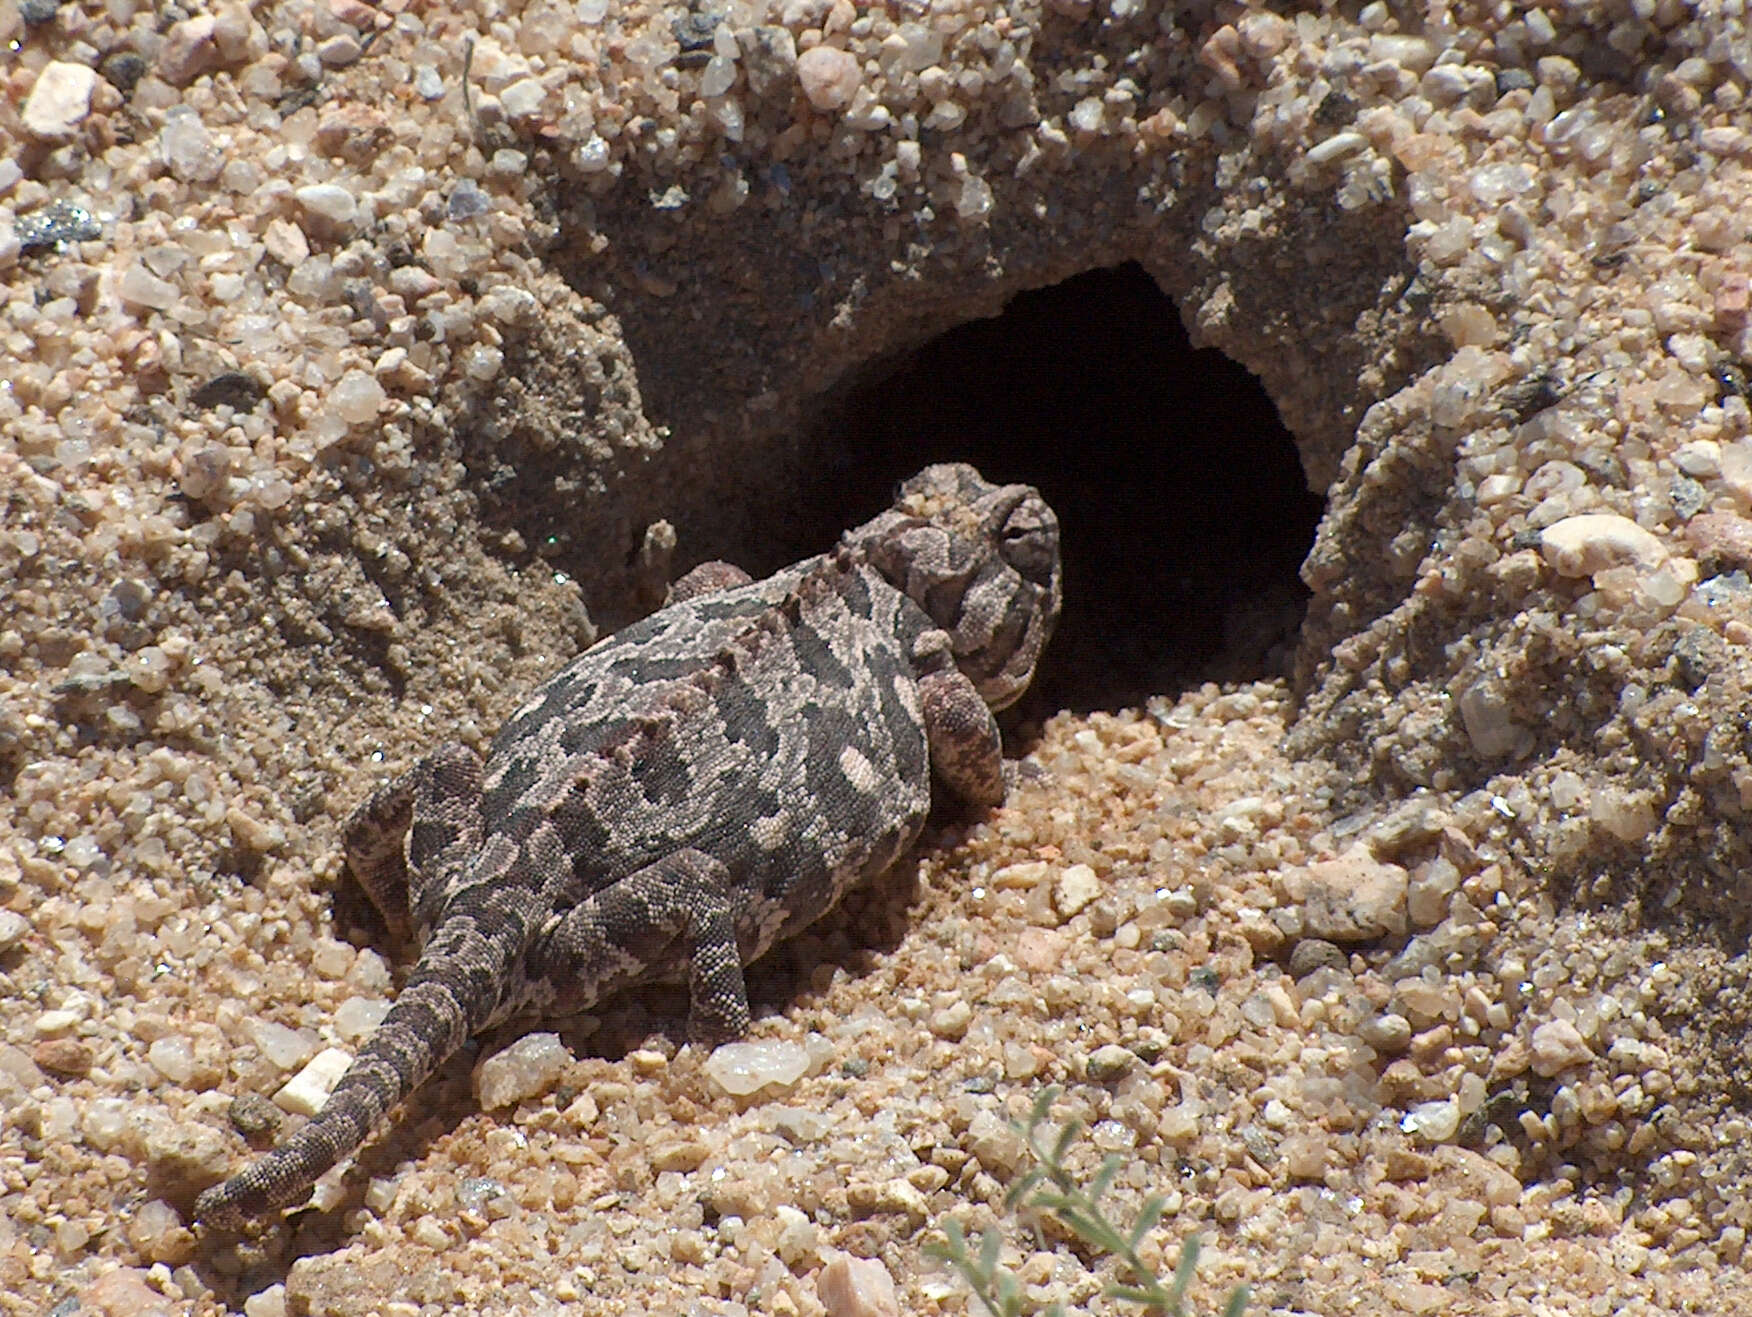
(429, 1021)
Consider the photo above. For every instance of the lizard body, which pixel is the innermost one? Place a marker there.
(690, 790)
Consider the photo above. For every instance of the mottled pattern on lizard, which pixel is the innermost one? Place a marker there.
(691, 790)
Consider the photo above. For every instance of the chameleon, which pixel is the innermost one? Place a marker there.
(688, 791)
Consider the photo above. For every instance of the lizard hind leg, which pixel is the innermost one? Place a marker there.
(618, 936)
(412, 834)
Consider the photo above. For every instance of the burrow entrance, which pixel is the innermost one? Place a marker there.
(1184, 507)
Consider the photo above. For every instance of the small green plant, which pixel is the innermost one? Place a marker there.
(1049, 1187)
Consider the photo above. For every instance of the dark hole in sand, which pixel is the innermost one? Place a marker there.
(1184, 509)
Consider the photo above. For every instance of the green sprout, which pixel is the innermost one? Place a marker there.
(1050, 1188)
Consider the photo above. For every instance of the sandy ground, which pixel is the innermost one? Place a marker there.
(310, 455)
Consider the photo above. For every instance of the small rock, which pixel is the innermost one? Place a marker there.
(124, 1292)
(799, 1238)
(140, 287)
(172, 1057)
(327, 205)
(305, 1093)
(1558, 1045)
(67, 1057)
(357, 1018)
(856, 1287)
(1594, 541)
(13, 927)
(1109, 1063)
(769, 58)
(1313, 953)
(188, 51)
(1389, 1033)
(55, 223)
(1355, 898)
(523, 98)
(59, 101)
(744, 1068)
(270, 1302)
(340, 50)
(829, 77)
(996, 1143)
(1306, 1155)
(1477, 1177)
(357, 397)
(951, 1022)
(531, 1065)
(889, 1198)
(233, 389)
(1724, 537)
(680, 1155)
(1437, 1122)
(283, 1048)
(187, 148)
(796, 1124)
(252, 1115)
(1076, 888)
(184, 1158)
(123, 68)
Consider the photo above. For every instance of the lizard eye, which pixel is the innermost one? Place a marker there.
(1028, 542)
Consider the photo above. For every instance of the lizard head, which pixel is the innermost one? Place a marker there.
(982, 560)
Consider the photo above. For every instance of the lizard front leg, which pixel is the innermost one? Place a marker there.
(617, 935)
(967, 753)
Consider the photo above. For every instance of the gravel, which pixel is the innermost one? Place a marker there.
(1492, 270)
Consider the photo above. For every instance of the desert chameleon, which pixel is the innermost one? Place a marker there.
(690, 790)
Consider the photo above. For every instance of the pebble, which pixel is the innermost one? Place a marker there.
(172, 1057)
(59, 100)
(1437, 1122)
(523, 98)
(1725, 537)
(1077, 888)
(1388, 1032)
(252, 1115)
(328, 204)
(1355, 898)
(55, 223)
(769, 60)
(1557, 1045)
(269, 1302)
(186, 146)
(306, 1092)
(1109, 1062)
(856, 1287)
(530, 1066)
(357, 397)
(357, 1018)
(138, 286)
(124, 1292)
(829, 77)
(1595, 541)
(1312, 953)
(67, 1057)
(283, 1048)
(123, 69)
(340, 50)
(1477, 1177)
(188, 51)
(13, 927)
(744, 1068)
(951, 1022)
